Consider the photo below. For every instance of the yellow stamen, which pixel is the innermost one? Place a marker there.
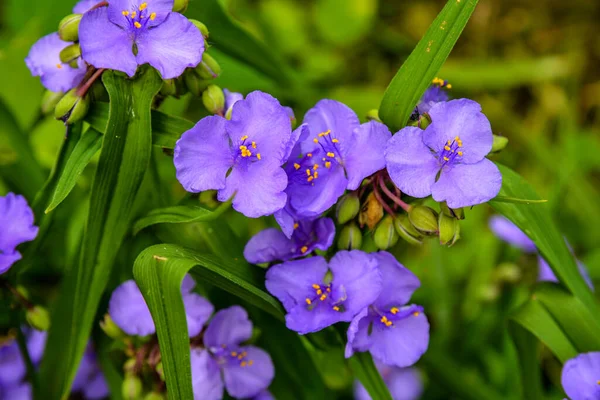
(308, 301)
(316, 166)
(447, 148)
(250, 362)
(297, 166)
(296, 225)
(253, 145)
(449, 86)
(323, 297)
(384, 319)
(242, 147)
(449, 142)
(316, 140)
(133, 14)
(315, 286)
(125, 13)
(143, 6)
(330, 154)
(309, 155)
(336, 308)
(59, 66)
(416, 313)
(316, 174)
(243, 363)
(233, 354)
(456, 138)
(304, 249)
(244, 137)
(310, 179)
(460, 153)
(258, 156)
(152, 16)
(328, 290)
(328, 164)
(307, 172)
(335, 141)
(394, 310)
(137, 24)
(446, 159)
(319, 292)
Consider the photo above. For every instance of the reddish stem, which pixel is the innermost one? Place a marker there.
(382, 202)
(20, 298)
(397, 200)
(88, 84)
(101, 4)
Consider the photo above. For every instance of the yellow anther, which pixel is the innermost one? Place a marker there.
(244, 137)
(316, 166)
(125, 13)
(460, 153)
(336, 308)
(394, 310)
(243, 363)
(598, 382)
(59, 66)
(316, 175)
(447, 148)
(137, 24)
(296, 225)
(316, 140)
(242, 147)
(297, 166)
(307, 172)
(389, 323)
(319, 292)
(310, 179)
(253, 145)
(250, 362)
(323, 297)
(233, 354)
(327, 164)
(449, 86)
(335, 141)
(258, 156)
(446, 159)
(416, 313)
(315, 286)
(449, 142)
(133, 14)
(143, 6)
(330, 154)
(309, 155)
(304, 249)
(328, 290)
(308, 301)
(152, 16)
(456, 138)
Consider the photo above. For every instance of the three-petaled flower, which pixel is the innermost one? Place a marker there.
(16, 220)
(581, 376)
(403, 383)
(447, 159)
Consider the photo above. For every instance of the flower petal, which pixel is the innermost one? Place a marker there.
(231, 98)
(249, 380)
(304, 320)
(197, 312)
(357, 334)
(510, 233)
(162, 8)
(113, 49)
(410, 163)
(36, 343)
(7, 260)
(286, 218)
(129, 311)
(403, 383)
(84, 5)
(228, 327)
(331, 115)
(365, 155)
(292, 148)
(202, 156)
(268, 245)
(171, 47)
(433, 94)
(464, 185)
(12, 365)
(18, 391)
(187, 284)
(16, 220)
(462, 118)
(398, 283)
(324, 233)
(580, 376)
(97, 387)
(206, 376)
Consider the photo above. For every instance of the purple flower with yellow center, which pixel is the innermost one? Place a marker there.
(128, 309)
(337, 154)
(434, 94)
(316, 294)
(44, 61)
(403, 383)
(581, 377)
(224, 363)
(241, 157)
(393, 332)
(272, 244)
(447, 159)
(16, 220)
(128, 33)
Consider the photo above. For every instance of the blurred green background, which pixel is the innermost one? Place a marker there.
(532, 64)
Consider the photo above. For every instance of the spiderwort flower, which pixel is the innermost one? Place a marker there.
(394, 333)
(581, 377)
(504, 229)
(245, 371)
(44, 61)
(128, 33)
(337, 154)
(272, 244)
(16, 220)
(84, 6)
(129, 311)
(316, 294)
(90, 380)
(454, 147)
(12, 364)
(403, 383)
(253, 146)
(434, 94)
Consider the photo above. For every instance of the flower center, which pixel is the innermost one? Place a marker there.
(452, 150)
(247, 150)
(322, 293)
(138, 18)
(225, 355)
(322, 159)
(394, 314)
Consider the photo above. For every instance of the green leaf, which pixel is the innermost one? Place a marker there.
(343, 22)
(159, 270)
(81, 155)
(417, 72)
(178, 215)
(537, 223)
(364, 369)
(505, 199)
(123, 161)
(166, 129)
(528, 354)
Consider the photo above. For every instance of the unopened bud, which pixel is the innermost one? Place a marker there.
(385, 235)
(160, 370)
(50, 100)
(70, 53)
(132, 387)
(424, 219)
(209, 68)
(347, 208)
(180, 6)
(406, 230)
(499, 143)
(72, 108)
(129, 366)
(214, 99)
(508, 272)
(194, 83)
(201, 27)
(449, 229)
(350, 238)
(373, 115)
(169, 88)
(110, 328)
(68, 28)
(457, 213)
(39, 318)
(371, 212)
(155, 396)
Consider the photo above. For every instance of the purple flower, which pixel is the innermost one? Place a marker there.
(317, 295)
(245, 371)
(581, 377)
(395, 333)
(18, 391)
(230, 99)
(85, 5)
(129, 310)
(403, 383)
(273, 245)
(128, 33)
(454, 147)
(433, 94)
(337, 154)
(44, 61)
(12, 364)
(241, 156)
(545, 273)
(16, 220)
(266, 395)
(511, 234)
(90, 380)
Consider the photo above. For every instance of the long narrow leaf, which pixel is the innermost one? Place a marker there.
(528, 353)
(364, 368)
(179, 215)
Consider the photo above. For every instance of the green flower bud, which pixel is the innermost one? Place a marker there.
(70, 54)
(129, 366)
(499, 143)
(209, 68)
(132, 387)
(457, 213)
(508, 272)
(203, 29)
(180, 6)
(424, 219)
(169, 88)
(110, 328)
(406, 230)
(373, 115)
(68, 28)
(160, 370)
(39, 318)
(385, 235)
(449, 229)
(347, 208)
(72, 108)
(350, 238)
(50, 100)
(214, 99)
(155, 396)
(195, 84)
(371, 212)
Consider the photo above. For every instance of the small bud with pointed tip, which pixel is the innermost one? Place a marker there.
(458, 213)
(110, 328)
(499, 143)
(169, 88)
(68, 28)
(50, 100)
(347, 208)
(201, 27)
(70, 54)
(214, 100)
(194, 83)
(449, 229)
(371, 212)
(160, 370)
(72, 108)
(385, 234)
(373, 115)
(350, 237)
(132, 387)
(38, 317)
(209, 68)
(424, 219)
(180, 6)
(406, 230)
